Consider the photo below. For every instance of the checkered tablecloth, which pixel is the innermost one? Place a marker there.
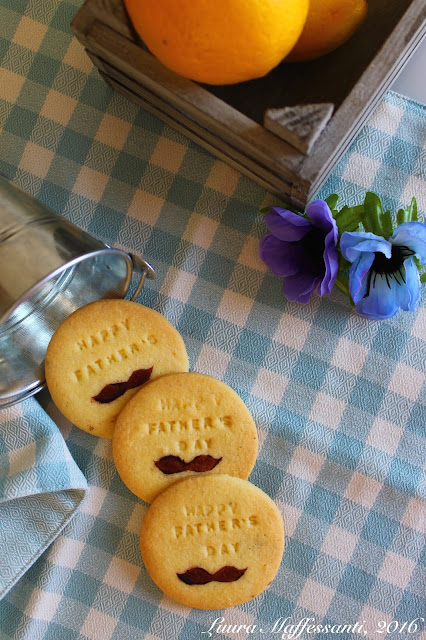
(40, 488)
(338, 400)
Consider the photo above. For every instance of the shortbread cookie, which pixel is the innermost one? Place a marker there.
(212, 541)
(179, 425)
(100, 356)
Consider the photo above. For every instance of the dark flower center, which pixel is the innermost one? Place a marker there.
(389, 268)
(313, 245)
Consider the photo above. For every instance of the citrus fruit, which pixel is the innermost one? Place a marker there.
(328, 25)
(219, 41)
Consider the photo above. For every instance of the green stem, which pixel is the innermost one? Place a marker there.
(343, 285)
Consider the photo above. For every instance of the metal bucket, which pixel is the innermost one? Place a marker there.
(48, 269)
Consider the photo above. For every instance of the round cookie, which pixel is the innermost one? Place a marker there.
(100, 356)
(212, 541)
(180, 425)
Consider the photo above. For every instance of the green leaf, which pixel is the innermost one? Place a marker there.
(412, 209)
(400, 216)
(387, 224)
(348, 218)
(408, 214)
(331, 200)
(372, 215)
(423, 277)
(264, 210)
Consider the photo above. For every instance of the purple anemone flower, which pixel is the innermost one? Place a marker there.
(302, 250)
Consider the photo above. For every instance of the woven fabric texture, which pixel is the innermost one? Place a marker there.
(40, 488)
(338, 400)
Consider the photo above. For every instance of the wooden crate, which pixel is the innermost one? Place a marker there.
(287, 130)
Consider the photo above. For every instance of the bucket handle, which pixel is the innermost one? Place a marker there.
(145, 270)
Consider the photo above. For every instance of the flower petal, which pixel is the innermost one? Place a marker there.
(381, 303)
(331, 263)
(407, 295)
(283, 258)
(300, 286)
(412, 235)
(319, 212)
(358, 277)
(354, 242)
(305, 297)
(286, 225)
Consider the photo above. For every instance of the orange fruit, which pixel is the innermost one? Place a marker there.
(329, 24)
(219, 41)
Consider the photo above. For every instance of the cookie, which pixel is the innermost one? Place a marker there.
(212, 541)
(100, 356)
(180, 425)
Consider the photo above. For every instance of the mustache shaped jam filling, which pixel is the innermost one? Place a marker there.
(198, 575)
(174, 464)
(115, 390)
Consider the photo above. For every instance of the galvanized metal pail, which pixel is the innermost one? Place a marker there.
(48, 269)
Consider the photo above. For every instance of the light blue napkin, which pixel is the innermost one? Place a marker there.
(40, 488)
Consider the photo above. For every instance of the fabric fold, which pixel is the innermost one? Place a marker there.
(41, 488)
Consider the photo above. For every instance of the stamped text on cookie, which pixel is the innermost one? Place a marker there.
(212, 519)
(192, 436)
(214, 526)
(94, 367)
(190, 425)
(184, 404)
(108, 334)
(226, 521)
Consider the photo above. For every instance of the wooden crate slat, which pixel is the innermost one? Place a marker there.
(162, 106)
(266, 182)
(114, 15)
(203, 136)
(364, 97)
(104, 29)
(193, 100)
(82, 23)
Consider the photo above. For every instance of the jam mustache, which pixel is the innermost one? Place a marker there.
(113, 391)
(174, 464)
(198, 575)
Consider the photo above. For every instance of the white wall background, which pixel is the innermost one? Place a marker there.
(412, 79)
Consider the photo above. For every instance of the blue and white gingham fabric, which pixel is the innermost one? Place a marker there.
(338, 400)
(40, 488)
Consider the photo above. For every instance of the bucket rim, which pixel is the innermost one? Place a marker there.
(64, 267)
(30, 390)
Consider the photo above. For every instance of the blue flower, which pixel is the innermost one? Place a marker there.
(302, 250)
(384, 276)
